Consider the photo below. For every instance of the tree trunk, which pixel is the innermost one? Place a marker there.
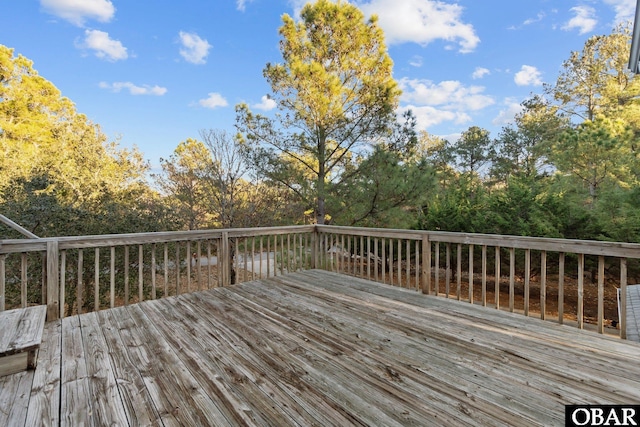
(320, 210)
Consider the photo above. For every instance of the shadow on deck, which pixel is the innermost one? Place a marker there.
(315, 348)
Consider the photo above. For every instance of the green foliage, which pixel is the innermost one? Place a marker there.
(598, 152)
(334, 91)
(596, 80)
(58, 173)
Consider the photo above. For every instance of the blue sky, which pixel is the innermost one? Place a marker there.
(154, 73)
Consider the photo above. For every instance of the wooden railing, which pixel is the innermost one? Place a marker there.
(569, 281)
(574, 281)
(88, 273)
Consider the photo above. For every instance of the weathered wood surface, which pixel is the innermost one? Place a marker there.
(20, 336)
(315, 348)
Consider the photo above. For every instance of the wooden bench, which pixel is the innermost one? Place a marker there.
(20, 337)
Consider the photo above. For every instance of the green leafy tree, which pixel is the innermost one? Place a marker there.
(472, 150)
(388, 187)
(183, 181)
(334, 91)
(596, 80)
(521, 149)
(598, 153)
(58, 172)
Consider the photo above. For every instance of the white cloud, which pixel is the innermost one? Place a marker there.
(625, 9)
(78, 11)
(538, 18)
(506, 115)
(480, 72)
(451, 94)
(103, 46)
(241, 4)
(134, 89)
(445, 101)
(214, 100)
(427, 116)
(266, 104)
(528, 76)
(416, 61)
(422, 22)
(194, 49)
(583, 20)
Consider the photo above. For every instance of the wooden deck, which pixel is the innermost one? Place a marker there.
(315, 348)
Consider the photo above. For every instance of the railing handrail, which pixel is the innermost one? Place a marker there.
(587, 247)
(104, 240)
(20, 229)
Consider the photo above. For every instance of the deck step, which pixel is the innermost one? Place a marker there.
(20, 337)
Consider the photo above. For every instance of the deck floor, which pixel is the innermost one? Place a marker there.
(315, 348)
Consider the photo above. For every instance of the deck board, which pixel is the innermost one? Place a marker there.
(315, 348)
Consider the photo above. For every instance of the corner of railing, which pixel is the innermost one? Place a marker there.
(426, 264)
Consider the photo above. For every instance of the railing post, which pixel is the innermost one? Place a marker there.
(426, 264)
(622, 321)
(53, 284)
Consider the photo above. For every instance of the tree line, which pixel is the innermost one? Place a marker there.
(337, 152)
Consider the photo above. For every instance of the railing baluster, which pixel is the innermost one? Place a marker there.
(260, 249)
(3, 281)
(253, 258)
(376, 258)
(447, 273)
(199, 264)
(384, 259)
(497, 273)
(543, 285)
(165, 258)
(561, 288)
(282, 255)
(96, 281)
(188, 260)
(153, 271)
(512, 274)
(80, 285)
(362, 256)
(244, 258)
(459, 272)
(112, 276)
(126, 275)
(437, 270)
(601, 294)
(63, 282)
(484, 275)
(580, 313)
(269, 256)
(623, 299)
(400, 262)
(140, 273)
(177, 267)
(23, 280)
(527, 280)
(391, 263)
(209, 264)
(471, 274)
(417, 250)
(368, 258)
